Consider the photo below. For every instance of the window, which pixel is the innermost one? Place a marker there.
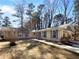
(33, 33)
(45, 33)
(39, 34)
(55, 34)
(51, 32)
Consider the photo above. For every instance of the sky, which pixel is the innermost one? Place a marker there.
(8, 8)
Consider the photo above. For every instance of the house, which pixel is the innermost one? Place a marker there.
(53, 34)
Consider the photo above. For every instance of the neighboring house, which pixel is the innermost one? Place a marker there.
(9, 33)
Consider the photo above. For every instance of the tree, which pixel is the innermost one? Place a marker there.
(39, 14)
(35, 15)
(29, 12)
(20, 14)
(51, 7)
(1, 13)
(1, 18)
(69, 20)
(76, 10)
(58, 6)
(20, 11)
(76, 7)
(59, 18)
(68, 7)
(31, 24)
(30, 9)
(46, 19)
(6, 22)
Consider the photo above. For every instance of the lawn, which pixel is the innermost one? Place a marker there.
(29, 49)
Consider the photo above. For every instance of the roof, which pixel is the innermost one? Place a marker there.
(69, 27)
(64, 26)
(5, 28)
(8, 29)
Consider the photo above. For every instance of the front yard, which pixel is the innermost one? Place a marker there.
(29, 49)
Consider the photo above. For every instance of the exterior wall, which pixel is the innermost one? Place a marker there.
(49, 34)
(7, 34)
(43, 35)
(10, 33)
(31, 34)
(60, 33)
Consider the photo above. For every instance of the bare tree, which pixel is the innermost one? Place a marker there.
(39, 14)
(46, 18)
(20, 13)
(76, 7)
(67, 8)
(51, 6)
(76, 11)
(58, 7)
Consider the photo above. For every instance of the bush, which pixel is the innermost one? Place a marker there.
(12, 43)
(65, 39)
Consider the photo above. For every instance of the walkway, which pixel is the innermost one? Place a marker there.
(69, 48)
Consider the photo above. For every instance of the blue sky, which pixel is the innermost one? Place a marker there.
(6, 2)
(12, 2)
(8, 6)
